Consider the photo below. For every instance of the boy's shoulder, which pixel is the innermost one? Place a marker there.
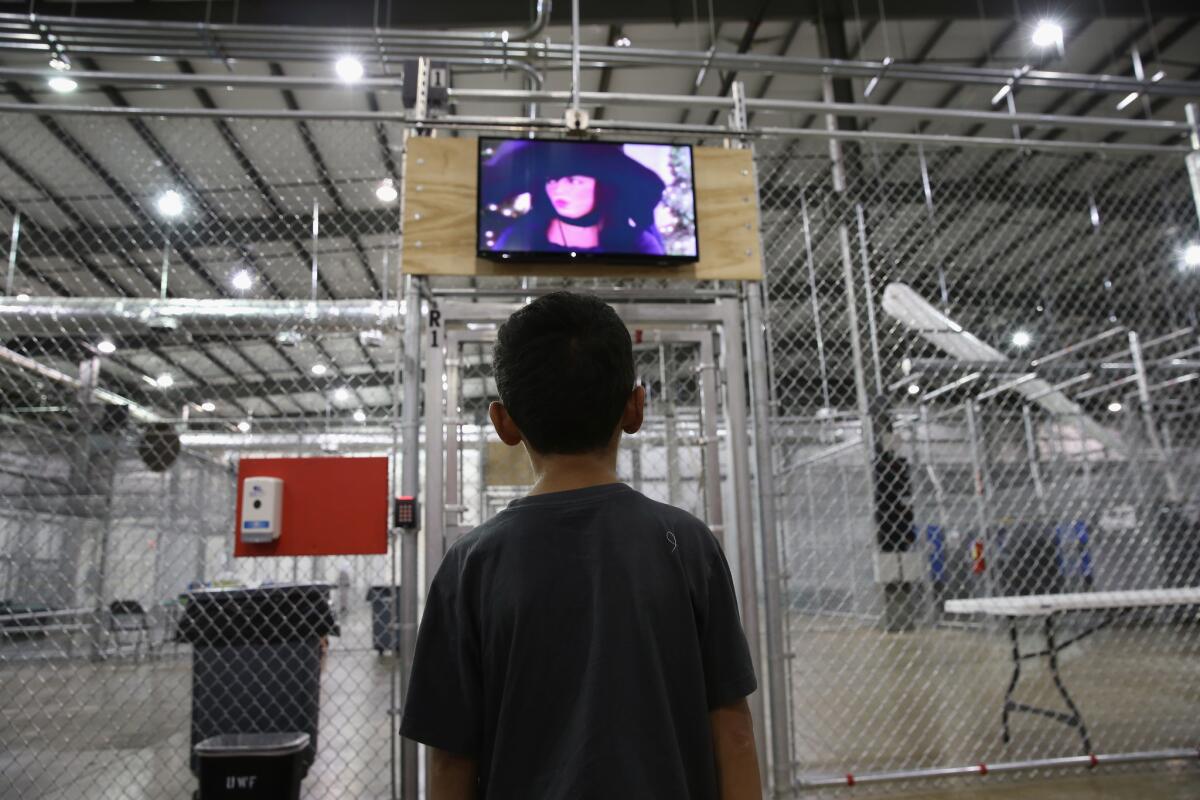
(634, 505)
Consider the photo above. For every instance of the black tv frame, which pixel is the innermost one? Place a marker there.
(521, 256)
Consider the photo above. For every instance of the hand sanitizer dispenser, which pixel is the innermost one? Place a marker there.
(262, 510)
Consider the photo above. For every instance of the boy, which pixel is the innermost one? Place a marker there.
(584, 644)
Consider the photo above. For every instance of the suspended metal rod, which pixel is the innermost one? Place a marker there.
(251, 41)
(525, 124)
(50, 316)
(65, 25)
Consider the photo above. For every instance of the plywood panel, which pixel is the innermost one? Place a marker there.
(439, 229)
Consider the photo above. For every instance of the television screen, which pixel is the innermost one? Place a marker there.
(563, 200)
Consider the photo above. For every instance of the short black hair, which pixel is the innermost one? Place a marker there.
(564, 370)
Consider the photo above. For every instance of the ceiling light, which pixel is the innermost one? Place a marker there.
(1022, 339)
(1126, 100)
(387, 192)
(60, 63)
(106, 347)
(164, 381)
(348, 68)
(208, 406)
(244, 426)
(623, 42)
(1047, 32)
(1115, 407)
(341, 394)
(1191, 255)
(62, 84)
(319, 369)
(242, 280)
(1000, 95)
(360, 415)
(170, 203)
(1158, 76)
(914, 389)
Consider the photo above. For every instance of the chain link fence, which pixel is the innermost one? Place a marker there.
(904, 318)
(983, 364)
(123, 430)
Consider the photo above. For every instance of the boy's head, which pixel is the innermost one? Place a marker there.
(564, 371)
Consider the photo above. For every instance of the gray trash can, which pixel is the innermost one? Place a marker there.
(385, 618)
(256, 660)
(252, 765)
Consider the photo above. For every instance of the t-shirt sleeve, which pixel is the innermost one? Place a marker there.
(728, 669)
(443, 706)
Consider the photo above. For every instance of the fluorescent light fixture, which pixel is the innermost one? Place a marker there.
(1158, 76)
(208, 406)
(170, 203)
(242, 280)
(60, 63)
(62, 84)
(1126, 100)
(1191, 255)
(999, 96)
(1022, 339)
(106, 347)
(914, 389)
(360, 415)
(341, 394)
(623, 42)
(1047, 32)
(1115, 407)
(348, 68)
(164, 381)
(387, 191)
(319, 369)
(244, 426)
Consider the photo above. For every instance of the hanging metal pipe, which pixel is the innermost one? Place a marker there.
(599, 127)
(66, 25)
(243, 41)
(50, 373)
(58, 316)
(13, 250)
(575, 54)
(1147, 408)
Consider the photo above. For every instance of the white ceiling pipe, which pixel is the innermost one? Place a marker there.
(54, 316)
(139, 412)
(921, 317)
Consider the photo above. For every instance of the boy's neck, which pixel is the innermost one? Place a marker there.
(563, 473)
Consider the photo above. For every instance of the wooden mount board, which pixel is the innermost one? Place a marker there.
(439, 224)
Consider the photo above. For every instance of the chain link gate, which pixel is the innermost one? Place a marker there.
(1015, 411)
(102, 529)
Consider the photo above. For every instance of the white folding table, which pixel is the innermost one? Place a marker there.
(1048, 606)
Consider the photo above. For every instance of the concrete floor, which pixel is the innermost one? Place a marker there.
(863, 701)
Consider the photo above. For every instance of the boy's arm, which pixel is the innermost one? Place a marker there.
(737, 759)
(452, 777)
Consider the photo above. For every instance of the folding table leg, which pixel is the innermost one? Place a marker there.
(1016, 676)
(1076, 719)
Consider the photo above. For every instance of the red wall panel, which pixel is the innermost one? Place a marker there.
(331, 506)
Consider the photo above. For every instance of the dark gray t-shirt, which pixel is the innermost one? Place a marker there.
(574, 646)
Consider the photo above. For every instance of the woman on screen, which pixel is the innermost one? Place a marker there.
(586, 198)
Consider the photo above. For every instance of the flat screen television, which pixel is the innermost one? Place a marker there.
(541, 200)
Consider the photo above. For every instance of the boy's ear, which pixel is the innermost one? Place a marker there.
(635, 410)
(506, 429)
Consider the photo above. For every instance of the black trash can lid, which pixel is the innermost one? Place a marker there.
(243, 745)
